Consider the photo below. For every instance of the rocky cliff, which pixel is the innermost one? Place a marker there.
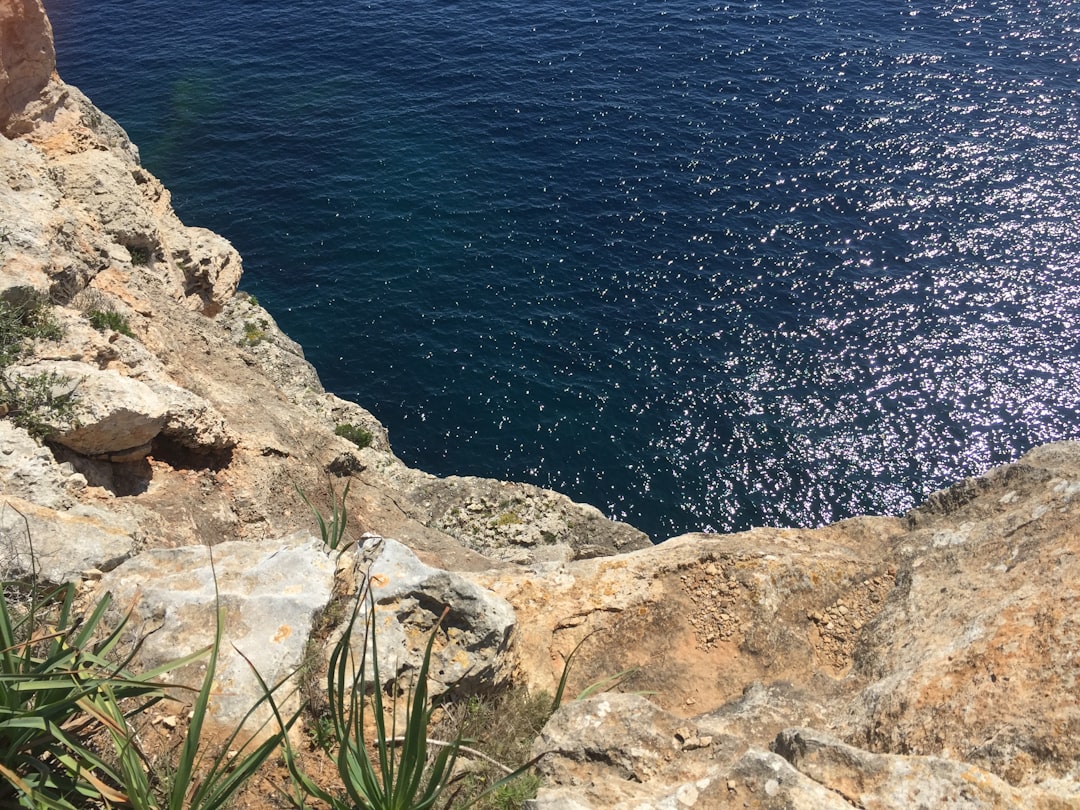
(923, 661)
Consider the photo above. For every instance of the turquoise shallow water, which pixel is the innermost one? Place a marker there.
(703, 265)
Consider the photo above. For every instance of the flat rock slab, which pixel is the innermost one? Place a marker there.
(271, 592)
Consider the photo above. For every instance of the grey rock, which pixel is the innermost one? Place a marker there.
(30, 471)
(894, 782)
(210, 265)
(410, 596)
(191, 421)
(270, 592)
(59, 545)
(766, 781)
(509, 521)
(623, 751)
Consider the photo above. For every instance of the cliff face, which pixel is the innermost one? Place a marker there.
(924, 661)
(27, 57)
(206, 419)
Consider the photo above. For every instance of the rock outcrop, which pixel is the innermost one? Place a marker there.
(922, 661)
(27, 56)
(940, 648)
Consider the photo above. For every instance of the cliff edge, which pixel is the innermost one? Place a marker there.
(149, 411)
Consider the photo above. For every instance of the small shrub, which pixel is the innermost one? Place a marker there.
(507, 519)
(356, 434)
(503, 727)
(514, 795)
(255, 333)
(106, 319)
(39, 403)
(20, 323)
(140, 256)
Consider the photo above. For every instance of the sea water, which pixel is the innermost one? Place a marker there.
(704, 265)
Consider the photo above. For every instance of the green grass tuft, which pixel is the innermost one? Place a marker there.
(356, 434)
(106, 319)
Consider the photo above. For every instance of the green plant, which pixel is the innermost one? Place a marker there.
(610, 682)
(255, 333)
(401, 776)
(140, 255)
(514, 795)
(332, 532)
(507, 519)
(29, 320)
(56, 668)
(39, 403)
(201, 779)
(105, 319)
(501, 727)
(356, 434)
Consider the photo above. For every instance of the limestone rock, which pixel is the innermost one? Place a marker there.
(409, 596)
(270, 592)
(27, 57)
(700, 617)
(114, 415)
(950, 635)
(210, 265)
(191, 421)
(618, 750)
(516, 522)
(765, 781)
(59, 545)
(884, 782)
(974, 650)
(622, 752)
(31, 472)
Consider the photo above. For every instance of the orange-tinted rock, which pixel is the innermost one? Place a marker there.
(27, 57)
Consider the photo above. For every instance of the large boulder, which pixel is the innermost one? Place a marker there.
(60, 545)
(113, 415)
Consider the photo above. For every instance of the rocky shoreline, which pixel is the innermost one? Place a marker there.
(923, 661)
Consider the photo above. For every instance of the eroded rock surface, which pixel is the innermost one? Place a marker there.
(928, 660)
(409, 597)
(934, 657)
(270, 595)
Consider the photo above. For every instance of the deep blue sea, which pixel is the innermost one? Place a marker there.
(704, 265)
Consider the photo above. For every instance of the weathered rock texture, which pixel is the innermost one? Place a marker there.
(27, 57)
(923, 661)
(945, 642)
(409, 600)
